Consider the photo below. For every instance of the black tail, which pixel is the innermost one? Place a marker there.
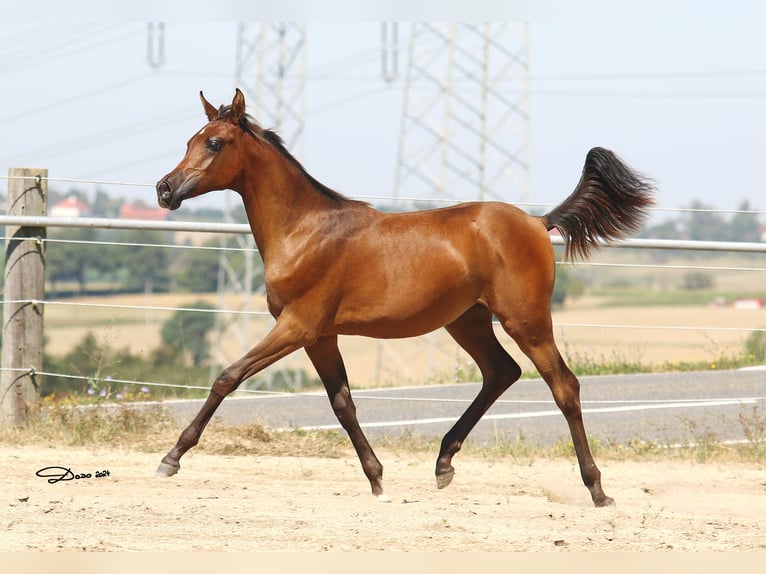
(609, 203)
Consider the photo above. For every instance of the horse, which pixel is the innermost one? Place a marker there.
(338, 266)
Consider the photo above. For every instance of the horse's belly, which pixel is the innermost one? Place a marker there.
(405, 314)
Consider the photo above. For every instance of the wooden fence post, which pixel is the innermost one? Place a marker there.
(23, 294)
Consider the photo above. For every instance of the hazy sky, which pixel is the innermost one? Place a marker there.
(681, 98)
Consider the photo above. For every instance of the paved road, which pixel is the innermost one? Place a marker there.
(664, 408)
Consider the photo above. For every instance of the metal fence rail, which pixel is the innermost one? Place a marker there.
(244, 228)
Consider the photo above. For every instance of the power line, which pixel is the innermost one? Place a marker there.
(107, 136)
(660, 76)
(195, 74)
(41, 42)
(100, 91)
(140, 161)
(20, 39)
(64, 48)
(348, 99)
(330, 70)
(648, 94)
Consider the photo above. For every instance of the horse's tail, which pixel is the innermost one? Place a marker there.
(609, 203)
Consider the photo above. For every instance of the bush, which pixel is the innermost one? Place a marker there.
(188, 330)
(567, 285)
(755, 346)
(697, 280)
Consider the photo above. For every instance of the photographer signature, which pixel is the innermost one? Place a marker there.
(56, 474)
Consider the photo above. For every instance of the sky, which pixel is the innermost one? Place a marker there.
(682, 98)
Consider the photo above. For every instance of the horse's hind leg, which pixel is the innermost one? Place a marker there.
(327, 361)
(473, 331)
(535, 338)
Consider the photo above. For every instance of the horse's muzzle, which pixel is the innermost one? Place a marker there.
(175, 187)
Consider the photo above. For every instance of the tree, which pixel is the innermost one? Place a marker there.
(90, 358)
(68, 259)
(196, 270)
(666, 230)
(703, 224)
(147, 267)
(698, 280)
(106, 206)
(755, 346)
(187, 331)
(566, 284)
(745, 226)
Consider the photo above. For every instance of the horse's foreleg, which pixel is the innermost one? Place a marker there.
(283, 339)
(473, 332)
(327, 360)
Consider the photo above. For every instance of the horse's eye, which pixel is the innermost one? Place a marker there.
(214, 145)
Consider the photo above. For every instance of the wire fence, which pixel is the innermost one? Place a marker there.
(656, 209)
(228, 228)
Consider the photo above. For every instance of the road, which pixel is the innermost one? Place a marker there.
(673, 408)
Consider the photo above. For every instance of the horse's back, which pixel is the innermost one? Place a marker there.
(496, 229)
(408, 273)
(479, 239)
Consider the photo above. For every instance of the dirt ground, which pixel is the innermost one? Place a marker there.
(249, 503)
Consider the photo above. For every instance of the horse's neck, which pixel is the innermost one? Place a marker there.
(279, 205)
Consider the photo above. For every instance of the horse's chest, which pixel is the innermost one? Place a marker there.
(287, 283)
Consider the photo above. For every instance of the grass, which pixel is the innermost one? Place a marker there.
(583, 363)
(622, 297)
(67, 422)
(149, 428)
(702, 445)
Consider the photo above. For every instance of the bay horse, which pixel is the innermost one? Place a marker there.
(336, 266)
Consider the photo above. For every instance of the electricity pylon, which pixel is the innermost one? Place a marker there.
(465, 121)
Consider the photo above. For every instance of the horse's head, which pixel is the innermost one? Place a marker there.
(214, 156)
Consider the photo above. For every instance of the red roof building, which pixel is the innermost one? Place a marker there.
(70, 207)
(139, 210)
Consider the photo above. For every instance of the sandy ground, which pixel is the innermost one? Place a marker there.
(313, 504)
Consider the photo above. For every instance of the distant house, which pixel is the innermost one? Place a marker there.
(70, 207)
(139, 210)
(749, 304)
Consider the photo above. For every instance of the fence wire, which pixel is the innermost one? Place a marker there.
(244, 229)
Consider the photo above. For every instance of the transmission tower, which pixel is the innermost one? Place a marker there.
(271, 71)
(465, 120)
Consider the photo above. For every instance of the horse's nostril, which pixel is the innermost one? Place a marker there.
(163, 187)
(164, 193)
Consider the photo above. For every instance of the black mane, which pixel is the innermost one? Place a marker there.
(250, 126)
(275, 140)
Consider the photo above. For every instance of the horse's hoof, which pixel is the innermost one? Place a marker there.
(607, 501)
(383, 498)
(166, 470)
(443, 480)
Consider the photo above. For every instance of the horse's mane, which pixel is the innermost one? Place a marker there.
(251, 126)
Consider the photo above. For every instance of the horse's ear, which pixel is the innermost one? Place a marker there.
(238, 107)
(210, 111)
